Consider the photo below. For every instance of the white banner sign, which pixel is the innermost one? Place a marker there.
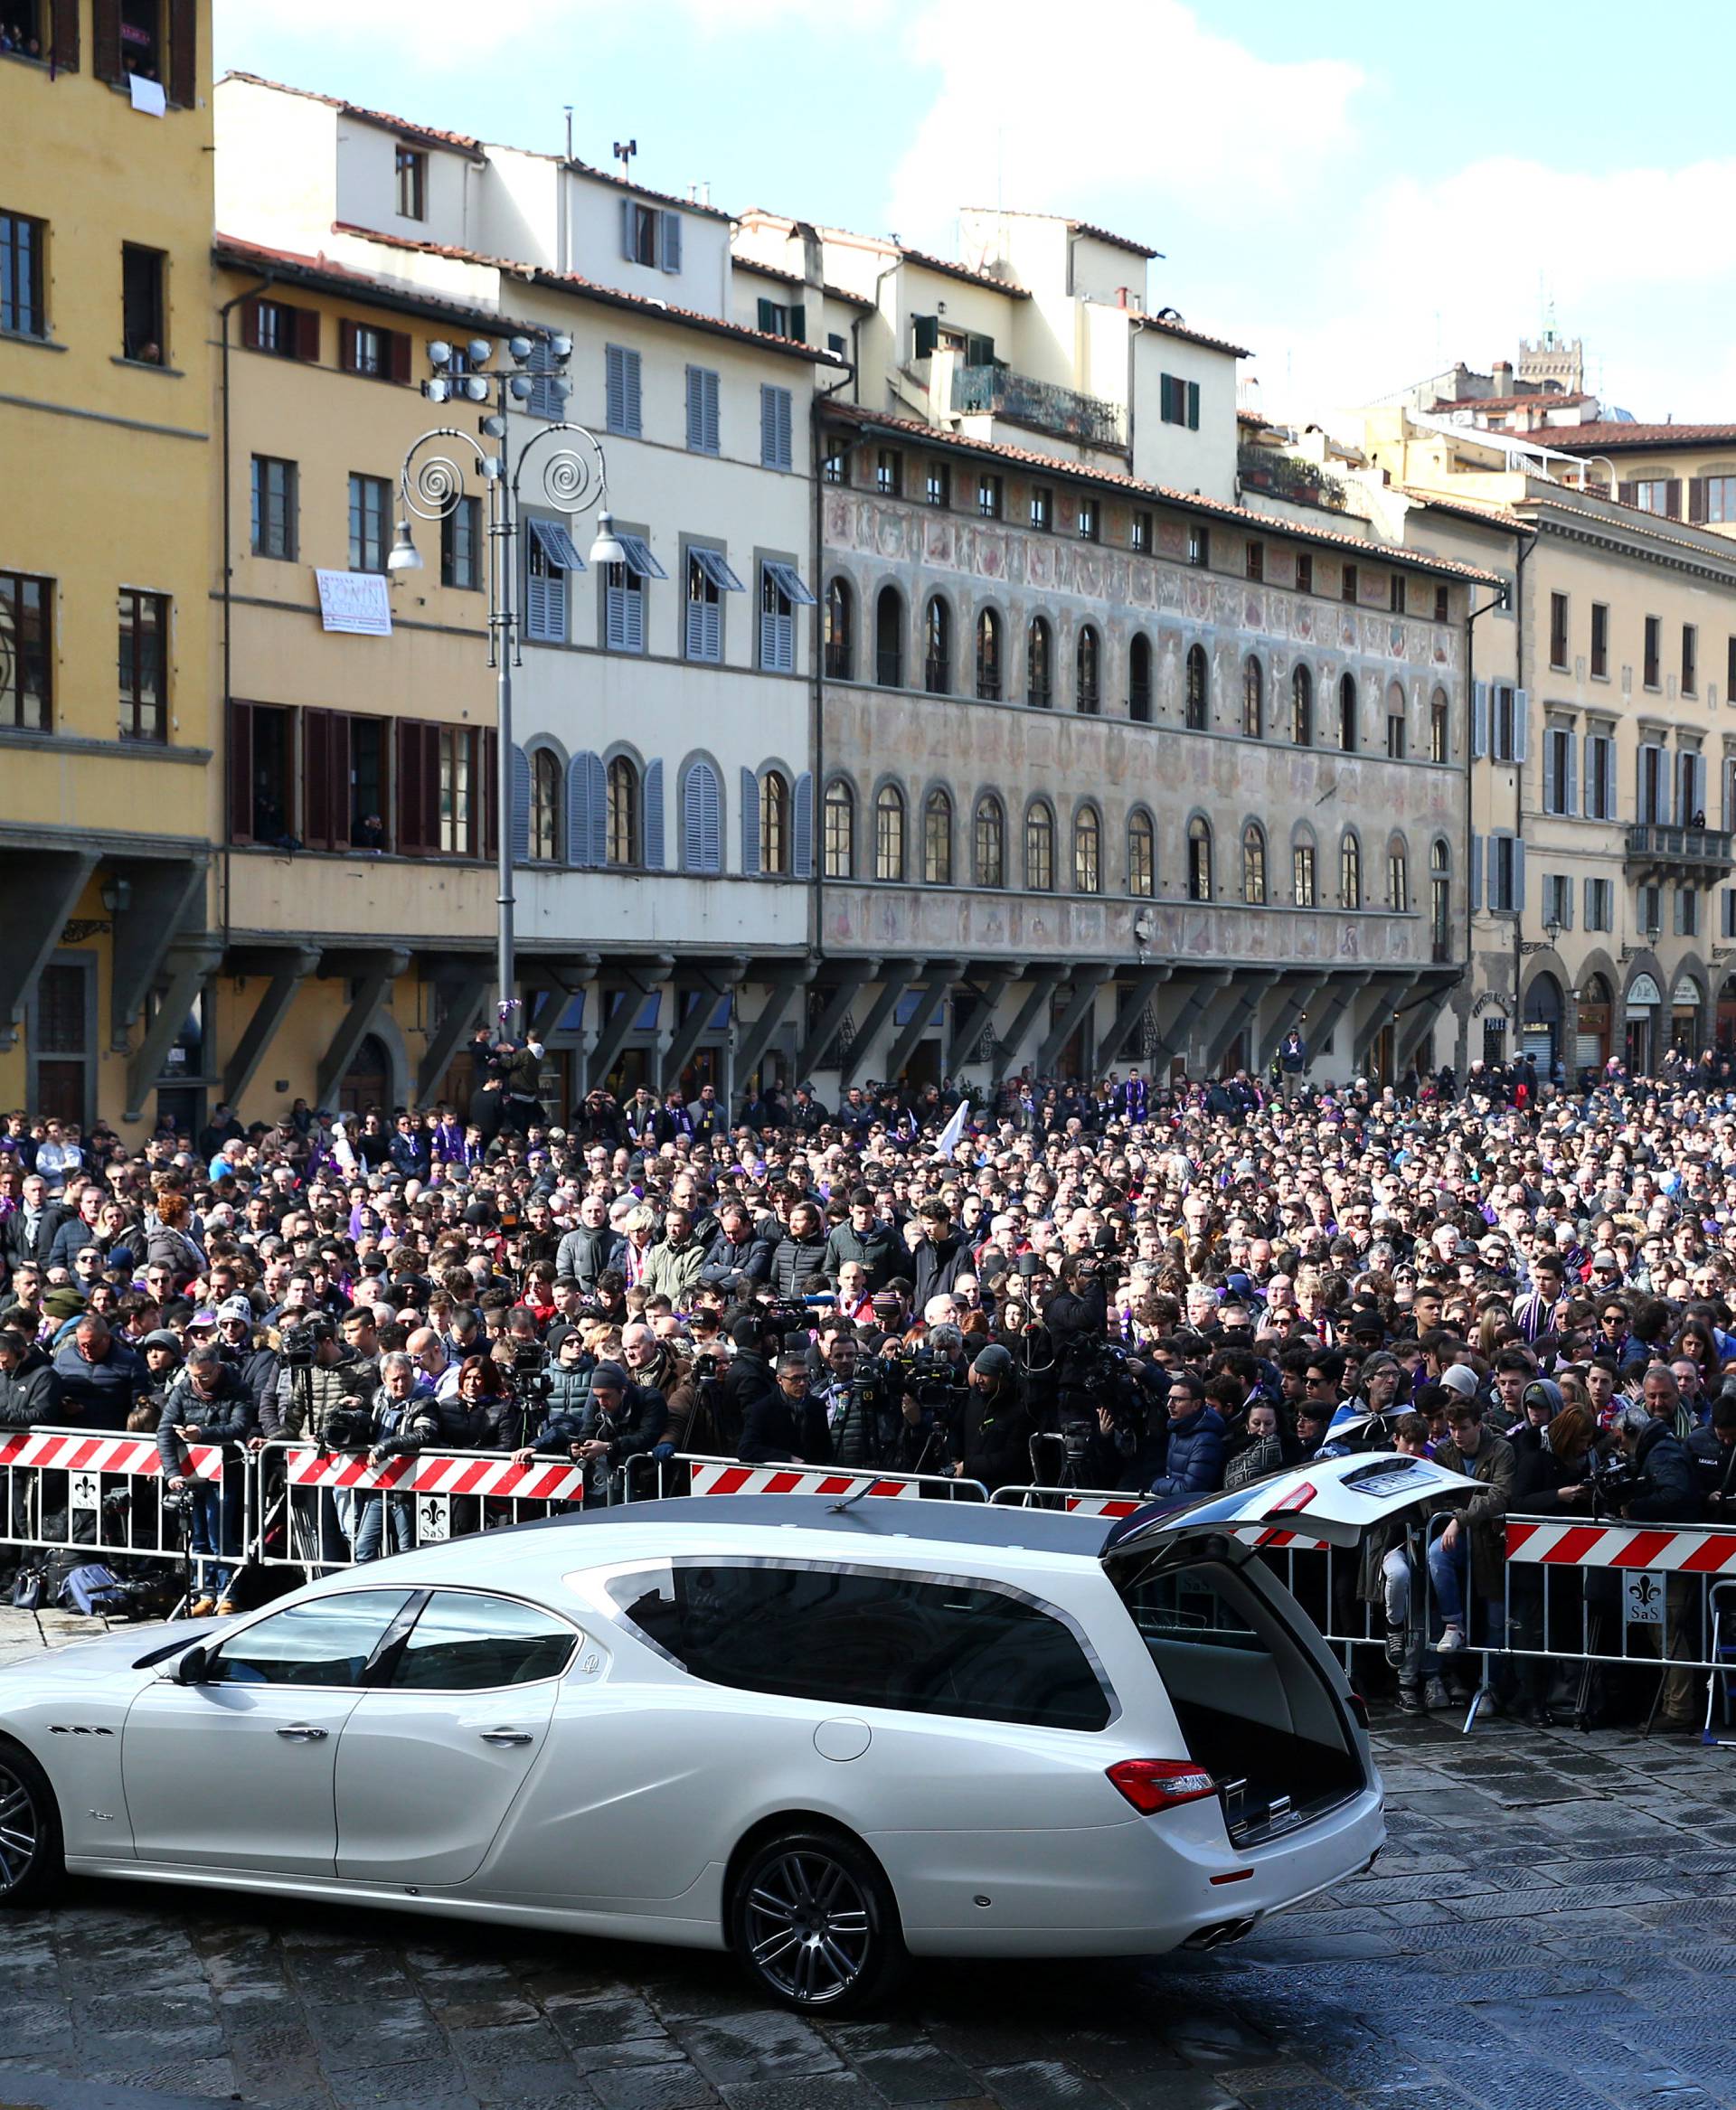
(356, 601)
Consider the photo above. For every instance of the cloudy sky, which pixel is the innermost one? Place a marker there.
(1358, 194)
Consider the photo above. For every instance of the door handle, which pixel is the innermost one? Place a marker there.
(301, 1733)
(507, 1736)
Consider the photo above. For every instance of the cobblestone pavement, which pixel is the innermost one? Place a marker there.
(1551, 1927)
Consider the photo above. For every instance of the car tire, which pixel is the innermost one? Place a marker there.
(32, 1859)
(814, 1923)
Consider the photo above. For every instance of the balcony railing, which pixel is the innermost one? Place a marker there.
(998, 392)
(1284, 476)
(1699, 852)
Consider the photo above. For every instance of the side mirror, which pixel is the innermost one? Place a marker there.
(190, 1668)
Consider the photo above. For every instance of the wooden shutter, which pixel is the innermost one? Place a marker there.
(397, 355)
(799, 323)
(669, 243)
(1476, 872)
(521, 805)
(691, 841)
(1517, 903)
(925, 335)
(240, 759)
(1569, 789)
(767, 318)
(1628, 494)
(768, 427)
(317, 778)
(1551, 786)
(626, 230)
(614, 388)
(252, 335)
(630, 380)
(587, 811)
(183, 52)
(484, 777)
(803, 826)
(346, 345)
(1673, 499)
(653, 816)
(750, 822)
(711, 439)
(1696, 499)
(1479, 720)
(979, 350)
(1192, 406)
(1520, 723)
(64, 50)
(306, 324)
(105, 38)
(418, 787)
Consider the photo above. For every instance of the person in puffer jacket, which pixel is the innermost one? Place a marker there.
(1194, 1464)
(208, 1404)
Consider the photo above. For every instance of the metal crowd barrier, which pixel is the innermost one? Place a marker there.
(74, 1490)
(689, 1472)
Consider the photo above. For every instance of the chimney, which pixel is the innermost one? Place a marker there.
(1120, 297)
(1503, 378)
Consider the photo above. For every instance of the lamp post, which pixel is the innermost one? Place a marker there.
(431, 484)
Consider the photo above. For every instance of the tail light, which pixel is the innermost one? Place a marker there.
(1297, 1498)
(1151, 1785)
(1359, 1708)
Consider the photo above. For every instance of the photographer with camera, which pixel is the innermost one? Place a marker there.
(207, 1404)
(402, 1421)
(621, 1421)
(748, 1383)
(995, 1429)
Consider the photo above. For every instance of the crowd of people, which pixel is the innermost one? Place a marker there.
(1144, 1284)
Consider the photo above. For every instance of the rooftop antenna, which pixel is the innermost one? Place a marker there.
(624, 150)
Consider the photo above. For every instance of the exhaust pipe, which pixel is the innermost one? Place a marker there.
(1216, 1937)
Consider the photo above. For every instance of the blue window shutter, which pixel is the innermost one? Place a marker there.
(804, 827)
(587, 810)
(1479, 720)
(597, 808)
(1520, 723)
(614, 388)
(1567, 905)
(653, 816)
(767, 426)
(693, 817)
(1569, 790)
(711, 819)
(712, 441)
(630, 375)
(521, 805)
(1518, 901)
(1549, 786)
(696, 630)
(1591, 905)
(633, 598)
(627, 230)
(670, 249)
(750, 822)
(786, 450)
(1476, 872)
(695, 412)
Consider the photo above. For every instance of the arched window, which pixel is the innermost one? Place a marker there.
(1086, 688)
(1139, 679)
(889, 832)
(839, 821)
(1199, 859)
(1254, 865)
(989, 842)
(1039, 848)
(1397, 877)
(988, 656)
(1088, 852)
(937, 840)
(773, 822)
(1397, 728)
(840, 631)
(623, 811)
(701, 819)
(1440, 739)
(1349, 871)
(1253, 698)
(1303, 887)
(1347, 713)
(889, 639)
(1039, 664)
(1302, 708)
(937, 648)
(545, 806)
(1142, 855)
(1440, 901)
(1199, 702)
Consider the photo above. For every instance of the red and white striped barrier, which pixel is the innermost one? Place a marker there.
(723, 1476)
(447, 1472)
(1085, 1502)
(62, 1452)
(1679, 1551)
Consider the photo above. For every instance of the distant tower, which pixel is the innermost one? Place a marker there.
(1553, 361)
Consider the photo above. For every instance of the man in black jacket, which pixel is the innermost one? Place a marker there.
(30, 1392)
(994, 1434)
(939, 1258)
(737, 1249)
(1668, 1493)
(748, 1383)
(592, 1248)
(875, 1245)
(207, 1404)
(787, 1424)
(28, 1234)
(621, 1421)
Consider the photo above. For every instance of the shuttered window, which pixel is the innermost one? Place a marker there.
(548, 396)
(702, 410)
(445, 776)
(549, 557)
(781, 589)
(709, 579)
(370, 522)
(366, 349)
(775, 433)
(623, 609)
(701, 819)
(284, 332)
(621, 390)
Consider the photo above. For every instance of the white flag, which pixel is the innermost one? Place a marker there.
(952, 1135)
(343, 1150)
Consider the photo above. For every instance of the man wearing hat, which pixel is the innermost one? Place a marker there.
(621, 1421)
(30, 1392)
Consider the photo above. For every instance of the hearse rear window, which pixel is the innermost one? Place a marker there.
(859, 1638)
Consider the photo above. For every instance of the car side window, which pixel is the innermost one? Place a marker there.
(466, 1643)
(862, 1638)
(326, 1642)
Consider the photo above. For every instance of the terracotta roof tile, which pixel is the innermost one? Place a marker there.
(1118, 242)
(462, 141)
(925, 262)
(1443, 404)
(1174, 329)
(590, 289)
(1214, 508)
(1601, 439)
(229, 249)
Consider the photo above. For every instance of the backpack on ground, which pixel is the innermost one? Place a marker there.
(93, 1591)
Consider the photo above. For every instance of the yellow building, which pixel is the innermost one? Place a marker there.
(105, 719)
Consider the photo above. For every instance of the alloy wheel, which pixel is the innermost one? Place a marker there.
(20, 1830)
(807, 1927)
